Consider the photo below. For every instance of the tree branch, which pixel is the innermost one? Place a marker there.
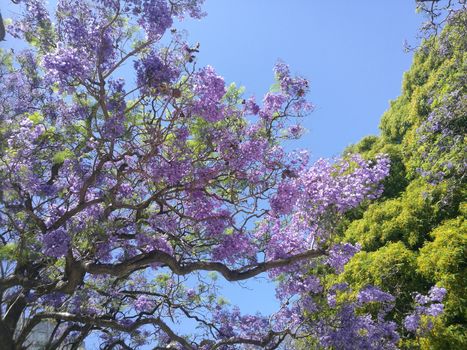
(143, 260)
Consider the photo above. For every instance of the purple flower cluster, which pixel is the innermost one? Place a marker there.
(294, 88)
(152, 72)
(143, 304)
(114, 126)
(349, 330)
(56, 243)
(153, 15)
(442, 137)
(326, 185)
(54, 299)
(295, 131)
(234, 247)
(303, 285)
(285, 199)
(151, 243)
(210, 88)
(426, 306)
(340, 254)
(233, 324)
(66, 66)
(35, 15)
(373, 294)
(272, 105)
(116, 103)
(26, 135)
(251, 106)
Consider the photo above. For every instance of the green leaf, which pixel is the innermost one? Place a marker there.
(61, 156)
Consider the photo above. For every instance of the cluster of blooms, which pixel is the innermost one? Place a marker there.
(340, 254)
(114, 125)
(210, 88)
(442, 136)
(152, 72)
(346, 327)
(155, 16)
(21, 88)
(66, 65)
(143, 304)
(293, 86)
(354, 331)
(292, 93)
(55, 243)
(21, 165)
(427, 305)
(35, 16)
(233, 324)
(313, 191)
(372, 294)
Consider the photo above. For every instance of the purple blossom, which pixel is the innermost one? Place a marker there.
(233, 324)
(35, 15)
(348, 330)
(251, 107)
(435, 309)
(295, 131)
(210, 88)
(340, 254)
(143, 304)
(66, 65)
(55, 243)
(373, 294)
(429, 306)
(54, 299)
(295, 88)
(149, 243)
(331, 300)
(152, 72)
(233, 247)
(412, 322)
(154, 16)
(191, 293)
(285, 199)
(281, 70)
(303, 285)
(116, 103)
(272, 104)
(437, 294)
(113, 127)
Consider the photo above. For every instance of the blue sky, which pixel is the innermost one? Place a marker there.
(351, 51)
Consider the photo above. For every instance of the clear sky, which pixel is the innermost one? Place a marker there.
(351, 51)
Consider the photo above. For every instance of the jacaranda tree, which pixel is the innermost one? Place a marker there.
(130, 179)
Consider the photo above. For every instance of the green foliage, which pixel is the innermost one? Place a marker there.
(7, 251)
(391, 268)
(407, 218)
(415, 236)
(443, 260)
(61, 156)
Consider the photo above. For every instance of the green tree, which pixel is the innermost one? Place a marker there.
(414, 236)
